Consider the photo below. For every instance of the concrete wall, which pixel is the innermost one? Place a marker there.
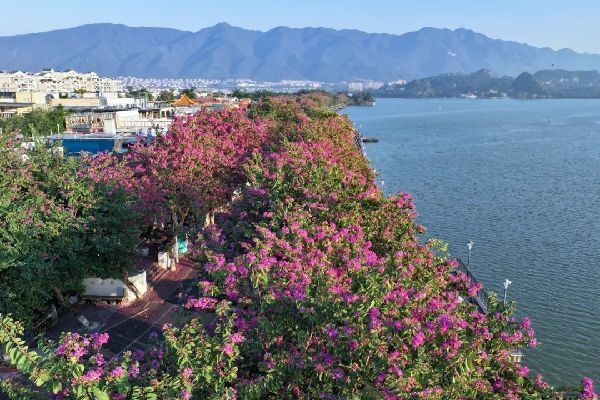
(78, 102)
(115, 287)
(37, 98)
(117, 101)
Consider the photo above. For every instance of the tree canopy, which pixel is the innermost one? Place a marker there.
(56, 228)
(190, 171)
(143, 92)
(166, 95)
(37, 122)
(189, 92)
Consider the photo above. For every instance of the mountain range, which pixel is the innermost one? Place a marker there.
(320, 54)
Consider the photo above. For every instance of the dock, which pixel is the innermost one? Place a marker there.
(369, 140)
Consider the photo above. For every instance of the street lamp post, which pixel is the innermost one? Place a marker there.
(470, 244)
(506, 283)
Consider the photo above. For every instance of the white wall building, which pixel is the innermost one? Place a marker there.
(50, 81)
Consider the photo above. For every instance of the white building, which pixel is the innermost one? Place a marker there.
(360, 86)
(55, 82)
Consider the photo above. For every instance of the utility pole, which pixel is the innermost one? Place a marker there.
(470, 244)
(506, 284)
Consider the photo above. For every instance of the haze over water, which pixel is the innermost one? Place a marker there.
(522, 180)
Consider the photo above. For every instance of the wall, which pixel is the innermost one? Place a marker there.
(115, 287)
(81, 102)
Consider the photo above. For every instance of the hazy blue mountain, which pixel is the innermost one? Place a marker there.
(223, 51)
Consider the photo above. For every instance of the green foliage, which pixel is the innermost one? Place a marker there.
(255, 95)
(166, 95)
(143, 92)
(37, 122)
(56, 228)
(190, 92)
(362, 98)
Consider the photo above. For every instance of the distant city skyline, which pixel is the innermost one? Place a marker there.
(557, 24)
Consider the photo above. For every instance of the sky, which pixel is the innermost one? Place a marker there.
(545, 23)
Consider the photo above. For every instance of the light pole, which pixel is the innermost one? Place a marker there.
(506, 283)
(470, 244)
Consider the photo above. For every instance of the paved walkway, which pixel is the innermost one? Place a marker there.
(130, 324)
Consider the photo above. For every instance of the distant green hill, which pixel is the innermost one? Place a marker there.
(484, 84)
(570, 84)
(525, 86)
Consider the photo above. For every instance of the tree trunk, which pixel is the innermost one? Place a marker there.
(176, 244)
(80, 317)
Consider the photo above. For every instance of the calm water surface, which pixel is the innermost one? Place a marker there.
(522, 180)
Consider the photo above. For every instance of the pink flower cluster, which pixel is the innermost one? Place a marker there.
(333, 274)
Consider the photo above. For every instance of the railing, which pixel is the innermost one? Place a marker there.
(481, 298)
(163, 123)
(358, 141)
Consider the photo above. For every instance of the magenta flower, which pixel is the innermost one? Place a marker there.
(237, 338)
(116, 372)
(133, 372)
(92, 375)
(337, 374)
(99, 340)
(203, 303)
(227, 349)
(331, 332)
(418, 339)
(587, 392)
(186, 394)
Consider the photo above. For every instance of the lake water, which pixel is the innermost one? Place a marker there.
(522, 180)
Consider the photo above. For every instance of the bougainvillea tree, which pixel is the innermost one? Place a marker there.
(189, 172)
(199, 163)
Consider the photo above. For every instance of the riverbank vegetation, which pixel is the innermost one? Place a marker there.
(362, 98)
(312, 283)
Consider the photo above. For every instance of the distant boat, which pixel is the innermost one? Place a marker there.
(369, 140)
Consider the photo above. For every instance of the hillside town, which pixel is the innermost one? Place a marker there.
(100, 107)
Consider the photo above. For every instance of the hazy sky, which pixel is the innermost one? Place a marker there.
(553, 23)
